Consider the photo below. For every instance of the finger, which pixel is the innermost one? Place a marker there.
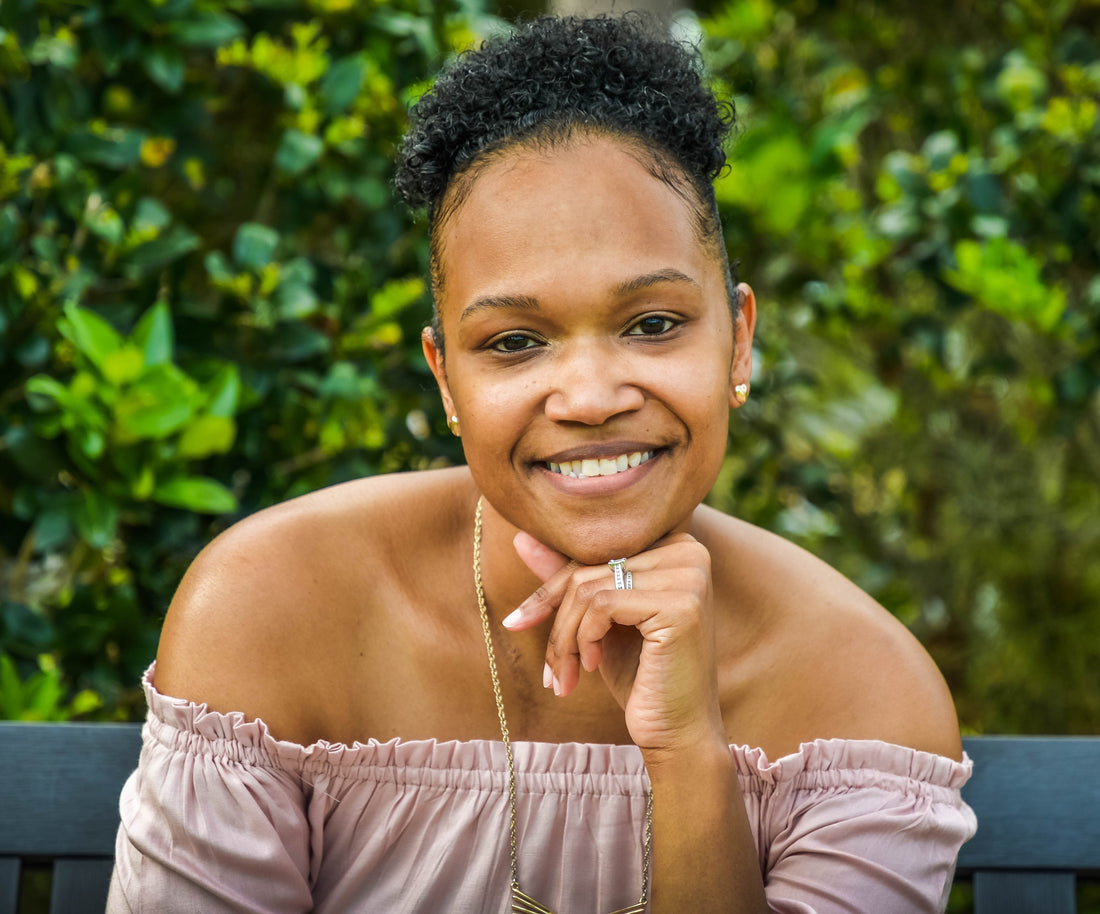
(544, 602)
(563, 653)
(542, 560)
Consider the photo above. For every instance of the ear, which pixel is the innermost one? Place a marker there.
(434, 357)
(743, 329)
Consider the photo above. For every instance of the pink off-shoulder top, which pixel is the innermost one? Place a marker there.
(222, 817)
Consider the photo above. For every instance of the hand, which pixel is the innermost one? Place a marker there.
(653, 645)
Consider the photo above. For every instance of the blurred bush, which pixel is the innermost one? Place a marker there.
(914, 197)
(210, 302)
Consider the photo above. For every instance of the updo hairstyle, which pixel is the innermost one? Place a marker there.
(556, 79)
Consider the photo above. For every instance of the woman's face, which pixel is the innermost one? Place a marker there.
(590, 352)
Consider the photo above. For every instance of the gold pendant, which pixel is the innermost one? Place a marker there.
(525, 904)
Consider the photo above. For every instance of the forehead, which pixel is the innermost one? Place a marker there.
(571, 218)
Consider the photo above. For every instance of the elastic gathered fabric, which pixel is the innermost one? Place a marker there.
(220, 816)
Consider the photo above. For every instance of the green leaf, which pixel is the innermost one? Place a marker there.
(96, 518)
(85, 702)
(36, 458)
(939, 149)
(395, 296)
(150, 217)
(43, 696)
(124, 366)
(115, 147)
(136, 419)
(254, 245)
(51, 527)
(161, 251)
(164, 65)
(106, 223)
(195, 493)
(158, 405)
(295, 341)
(11, 690)
(1002, 276)
(89, 441)
(297, 151)
(224, 392)
(91, 334)
(342, 82)
(295, 300)
(45, 393)
(25, 626)
(208, 29)
(207, 435)
(154, 334)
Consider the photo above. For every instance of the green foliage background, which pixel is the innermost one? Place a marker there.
(210, 302)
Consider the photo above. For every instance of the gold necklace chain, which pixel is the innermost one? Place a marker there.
(521, 903)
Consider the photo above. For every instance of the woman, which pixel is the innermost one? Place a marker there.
(356, 721)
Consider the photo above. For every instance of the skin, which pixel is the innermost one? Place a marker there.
(582, 318)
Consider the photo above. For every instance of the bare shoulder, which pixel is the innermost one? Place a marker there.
(812, 656)
(268, 612)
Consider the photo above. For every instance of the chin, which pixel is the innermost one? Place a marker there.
(606, 540)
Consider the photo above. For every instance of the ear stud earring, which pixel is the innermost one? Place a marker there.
(452, 424)
(741, 392)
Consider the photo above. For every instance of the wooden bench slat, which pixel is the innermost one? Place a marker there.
(80, 886)
(10, 868)
(61, 795)
(1038, 804)
(1034, 892)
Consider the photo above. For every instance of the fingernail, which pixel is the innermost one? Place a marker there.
(513, 618)
(547, 675)
(557, 686)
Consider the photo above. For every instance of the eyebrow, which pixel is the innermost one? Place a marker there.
(653, 279)
(511, 302)
(528, 303)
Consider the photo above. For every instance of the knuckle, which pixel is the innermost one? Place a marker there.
(602, 601)
(555, 644)
(587, 591)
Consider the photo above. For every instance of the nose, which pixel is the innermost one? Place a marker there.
(591, 384)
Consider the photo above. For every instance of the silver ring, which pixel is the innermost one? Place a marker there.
(624, 580)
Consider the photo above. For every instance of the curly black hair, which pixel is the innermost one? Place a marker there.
(611, 74)
(553, 79)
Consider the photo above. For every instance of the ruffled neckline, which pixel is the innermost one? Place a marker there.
(183, 724)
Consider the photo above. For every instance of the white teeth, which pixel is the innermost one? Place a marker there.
(603, 466)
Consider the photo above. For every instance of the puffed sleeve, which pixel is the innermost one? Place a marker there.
(857, 827)
(212, 821)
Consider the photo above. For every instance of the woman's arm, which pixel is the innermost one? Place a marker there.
(654, 646)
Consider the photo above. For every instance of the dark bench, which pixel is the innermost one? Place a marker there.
(1038, 805)
(1037, 799)
(59, 787)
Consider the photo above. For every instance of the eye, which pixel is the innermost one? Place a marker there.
(512, 342)
(652, 325)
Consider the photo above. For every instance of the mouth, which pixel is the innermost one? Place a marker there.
(599, 466)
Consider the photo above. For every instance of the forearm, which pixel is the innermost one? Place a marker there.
(704, 856)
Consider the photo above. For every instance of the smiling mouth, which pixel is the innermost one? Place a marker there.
(602, 466)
